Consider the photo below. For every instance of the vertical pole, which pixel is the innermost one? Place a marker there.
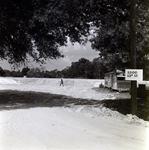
(133, 55)
(134, 97)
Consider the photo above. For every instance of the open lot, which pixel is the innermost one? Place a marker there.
(73, 119)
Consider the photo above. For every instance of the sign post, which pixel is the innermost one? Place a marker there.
(133, 54)
(134, 75)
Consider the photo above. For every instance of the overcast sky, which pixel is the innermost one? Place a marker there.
(72, 54)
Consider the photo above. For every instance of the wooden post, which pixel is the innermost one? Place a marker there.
(133, 54)
(134, 97)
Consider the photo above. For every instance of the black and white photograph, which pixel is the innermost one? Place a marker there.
(74, 75)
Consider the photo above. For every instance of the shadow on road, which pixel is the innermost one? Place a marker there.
(19, 99)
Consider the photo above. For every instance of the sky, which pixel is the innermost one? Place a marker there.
(72, 54)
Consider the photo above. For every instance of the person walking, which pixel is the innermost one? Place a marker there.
(62, 83)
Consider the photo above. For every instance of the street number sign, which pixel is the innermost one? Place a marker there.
(134, 74)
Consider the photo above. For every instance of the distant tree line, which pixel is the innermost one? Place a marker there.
(83, 68)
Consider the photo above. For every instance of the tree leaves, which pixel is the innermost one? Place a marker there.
(113, 35)
(46, 23)
(37, 28)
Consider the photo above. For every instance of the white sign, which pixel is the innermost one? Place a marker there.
(134, 74)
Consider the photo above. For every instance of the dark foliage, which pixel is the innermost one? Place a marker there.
(2, 72)
(24, 71)
(37, 28)
(112, 38)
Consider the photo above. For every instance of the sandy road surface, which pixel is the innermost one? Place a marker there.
(71, 128)
(66, 129)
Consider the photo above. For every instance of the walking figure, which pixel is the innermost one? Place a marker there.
(62, 83)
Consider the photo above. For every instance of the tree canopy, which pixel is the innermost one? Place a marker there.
(37, 28)
(112, 38)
